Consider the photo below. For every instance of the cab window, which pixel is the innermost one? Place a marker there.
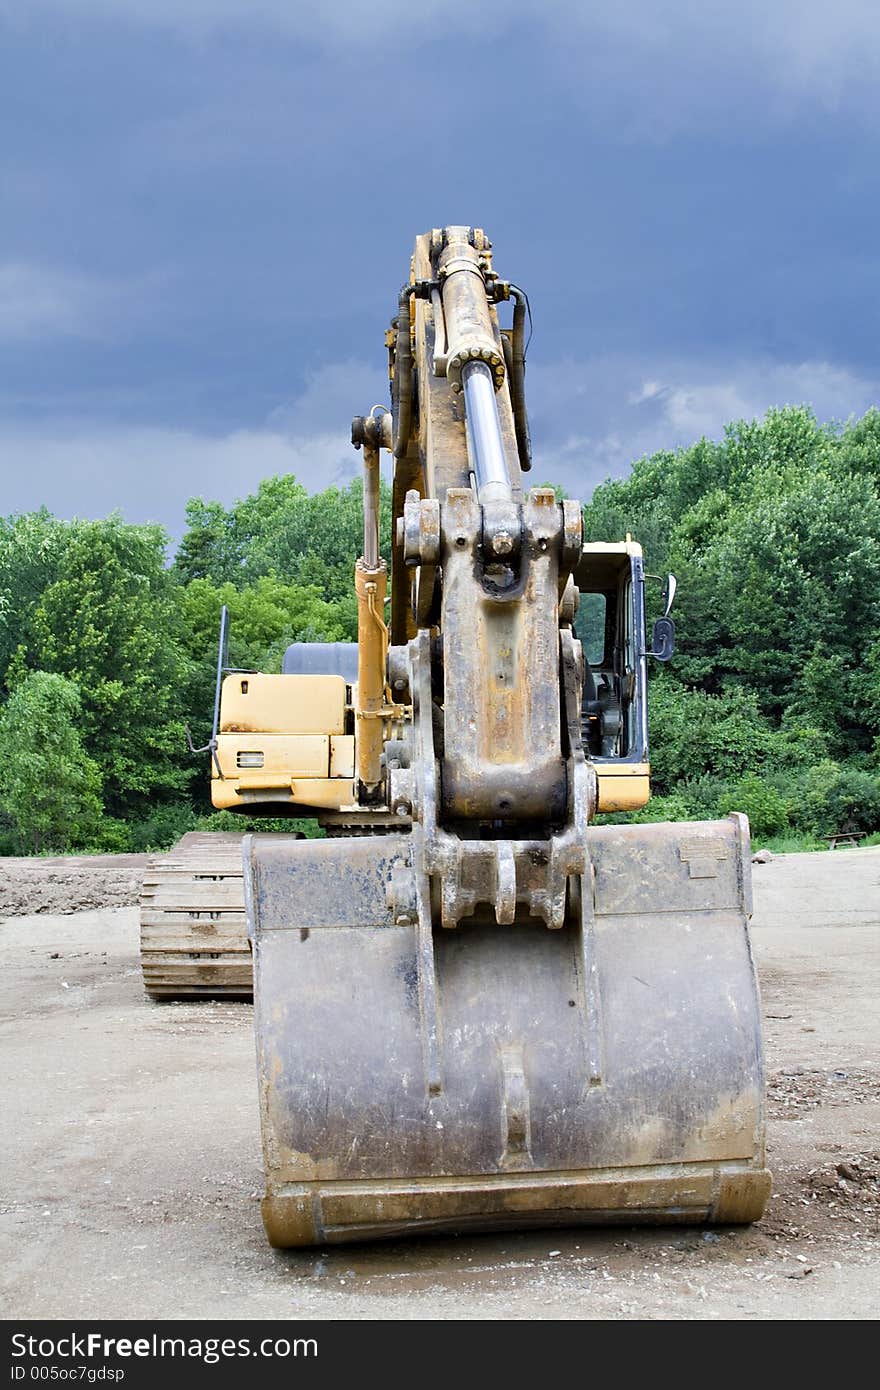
(590, 627)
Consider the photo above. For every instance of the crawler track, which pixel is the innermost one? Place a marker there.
(194, 941)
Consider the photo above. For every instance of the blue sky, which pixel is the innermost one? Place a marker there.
(207, 208)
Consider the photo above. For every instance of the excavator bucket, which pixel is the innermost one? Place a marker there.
(493, 1076)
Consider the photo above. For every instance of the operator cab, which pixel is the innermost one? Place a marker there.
(610, 625)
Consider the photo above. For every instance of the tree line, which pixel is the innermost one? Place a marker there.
(772, 702)
(771, 705)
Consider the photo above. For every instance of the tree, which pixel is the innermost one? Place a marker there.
(107, 621)
(210, 548)
(49, 786)
(281, 530)
(774, 534)
(30, 548)
(693, 734)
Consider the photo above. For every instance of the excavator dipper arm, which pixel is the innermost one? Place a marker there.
(502, 1014)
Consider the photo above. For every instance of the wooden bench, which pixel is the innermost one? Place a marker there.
(844, 837)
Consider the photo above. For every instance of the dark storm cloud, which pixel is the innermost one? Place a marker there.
(208, 206)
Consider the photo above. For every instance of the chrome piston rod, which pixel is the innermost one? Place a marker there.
(485, 444)
(371, 506)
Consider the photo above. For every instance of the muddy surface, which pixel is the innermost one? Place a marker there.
(130, 1168)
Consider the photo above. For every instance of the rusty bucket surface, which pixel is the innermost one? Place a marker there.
(626, 1091)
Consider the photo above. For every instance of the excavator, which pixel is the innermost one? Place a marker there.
(475, 1006)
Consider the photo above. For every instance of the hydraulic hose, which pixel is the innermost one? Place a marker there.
(518, 379)
(403, 376)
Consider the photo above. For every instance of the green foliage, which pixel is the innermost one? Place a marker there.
(163, 828)
(30, 546)
(836, 798)
(281, 530)
(263, 618)
(110, 836)
(676, 806)
(106, 620)
(94, 602)
(285, 825)
(789, 842)
(694, 734)
(774, 534)
(771, 706)
(50, 787)
(767, 810)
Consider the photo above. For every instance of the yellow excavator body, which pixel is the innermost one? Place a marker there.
(475, 1006)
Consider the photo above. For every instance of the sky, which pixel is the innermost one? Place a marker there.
(207, 208)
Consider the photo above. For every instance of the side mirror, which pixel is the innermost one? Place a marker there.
(669, 589)
(663, 639)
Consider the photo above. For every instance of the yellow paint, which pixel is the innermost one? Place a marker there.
(370, 587)
(282, 704)
(284, 756)
(627, 547)
(624, 787)
(306, 794)
(342, 756)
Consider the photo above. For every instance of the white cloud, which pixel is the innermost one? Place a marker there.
(44, 301)
(40, 301)
(79, 468)
(590, 420)
(87, 469)
(84, 467)
(332, 395)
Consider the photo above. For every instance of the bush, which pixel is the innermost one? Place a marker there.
(111, 836)
(767, 811)
(50, 787)
(163, 828)
(790, 842)
(10, 842)
(676, 806)
(695, 735)
(838, 797)
(704, 795)
(265, 825)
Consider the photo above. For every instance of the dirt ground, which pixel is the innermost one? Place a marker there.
(69, 884)
(131, 1165)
